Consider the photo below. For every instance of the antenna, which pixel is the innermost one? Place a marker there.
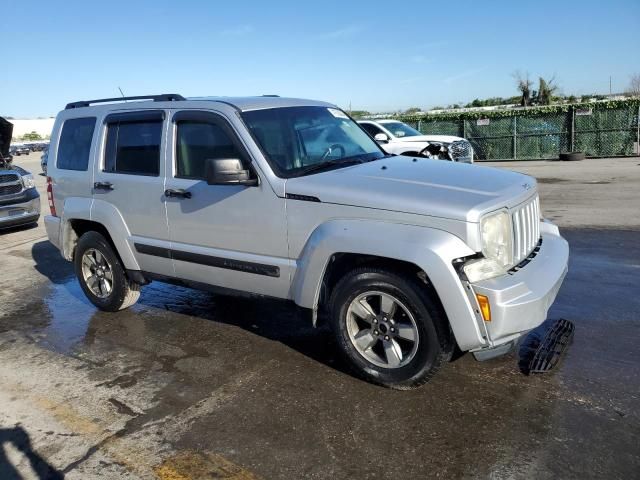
(121, 93)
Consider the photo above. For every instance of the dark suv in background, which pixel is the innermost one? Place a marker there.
(19, 199)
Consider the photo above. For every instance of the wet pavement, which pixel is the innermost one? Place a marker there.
(188, 384)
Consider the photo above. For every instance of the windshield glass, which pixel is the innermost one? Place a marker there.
(297, 138)
(400, 129)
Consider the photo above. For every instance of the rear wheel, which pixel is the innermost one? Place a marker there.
(389, 328)
(101, 274)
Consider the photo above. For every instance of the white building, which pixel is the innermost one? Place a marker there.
(41, 126)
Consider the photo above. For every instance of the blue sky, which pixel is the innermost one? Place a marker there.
(376, 55)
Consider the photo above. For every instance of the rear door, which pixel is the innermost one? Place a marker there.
(130, 177)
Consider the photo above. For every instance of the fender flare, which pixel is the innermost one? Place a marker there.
(75, 208)
(431, 250)
(110, 217)
(79, 208)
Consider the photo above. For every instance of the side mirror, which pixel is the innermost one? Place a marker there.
(228, 171)
(381, 137)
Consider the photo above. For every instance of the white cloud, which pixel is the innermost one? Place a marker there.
(237, 31)
(420, 59)
(345, 32)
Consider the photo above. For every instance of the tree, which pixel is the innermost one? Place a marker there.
(546, 90)
(32, 136)
(634, 85)
(523, 83)
(412, 110)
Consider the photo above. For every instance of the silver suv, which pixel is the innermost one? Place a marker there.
(406, 258)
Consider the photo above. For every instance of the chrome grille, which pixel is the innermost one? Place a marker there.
(8, 178)
(460, 149)
(526, 229)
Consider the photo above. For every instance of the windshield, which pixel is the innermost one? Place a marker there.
(294, 139)
(400, 129)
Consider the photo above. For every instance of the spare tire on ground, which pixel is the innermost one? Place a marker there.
(571, 156)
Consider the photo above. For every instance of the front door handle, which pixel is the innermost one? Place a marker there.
(103, 186)
(176, 193)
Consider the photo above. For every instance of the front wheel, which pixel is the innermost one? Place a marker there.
(102, 276)
(389, 328)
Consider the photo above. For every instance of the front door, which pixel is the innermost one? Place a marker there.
(129, 183)
(231, 236)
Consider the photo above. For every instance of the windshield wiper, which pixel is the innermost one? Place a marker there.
(327, 165)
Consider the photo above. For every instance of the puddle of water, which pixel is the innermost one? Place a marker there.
(552, 180)
(70, 313)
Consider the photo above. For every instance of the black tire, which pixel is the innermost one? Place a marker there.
(435, 340)
(571, 156)
(124, 292)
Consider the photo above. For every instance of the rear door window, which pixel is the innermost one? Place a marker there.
(133, 147)
(75, 143)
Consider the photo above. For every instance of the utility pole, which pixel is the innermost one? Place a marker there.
(610, 92)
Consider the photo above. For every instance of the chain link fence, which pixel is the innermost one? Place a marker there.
(532, 134)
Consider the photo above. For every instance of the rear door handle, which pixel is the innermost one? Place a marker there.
(176, 193)
(103, 186)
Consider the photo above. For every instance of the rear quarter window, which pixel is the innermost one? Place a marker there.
(75, 143)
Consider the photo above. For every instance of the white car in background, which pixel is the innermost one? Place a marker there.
(401, 139)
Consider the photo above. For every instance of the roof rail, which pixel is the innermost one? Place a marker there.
(165, 97)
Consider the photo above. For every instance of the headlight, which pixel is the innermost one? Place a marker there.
(28, 181)
(497, 248)
(496, 238)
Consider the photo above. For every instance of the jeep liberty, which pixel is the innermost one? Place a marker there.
(406, 258)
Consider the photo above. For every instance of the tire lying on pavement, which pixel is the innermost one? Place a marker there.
(571, 156)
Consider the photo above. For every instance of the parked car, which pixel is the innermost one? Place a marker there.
(401, 139)
(19, 199)
(292, 199)
(43, 160)
(17, 150)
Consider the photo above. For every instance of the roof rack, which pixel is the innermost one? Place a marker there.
(165, 97)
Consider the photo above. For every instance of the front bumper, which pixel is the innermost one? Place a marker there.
(520, 300)
(21, 211)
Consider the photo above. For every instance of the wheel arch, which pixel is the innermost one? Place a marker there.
(105, 219)
(426, 252)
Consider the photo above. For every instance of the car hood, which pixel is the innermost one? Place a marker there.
(6, 130)
(419, 186)
(428, 138)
